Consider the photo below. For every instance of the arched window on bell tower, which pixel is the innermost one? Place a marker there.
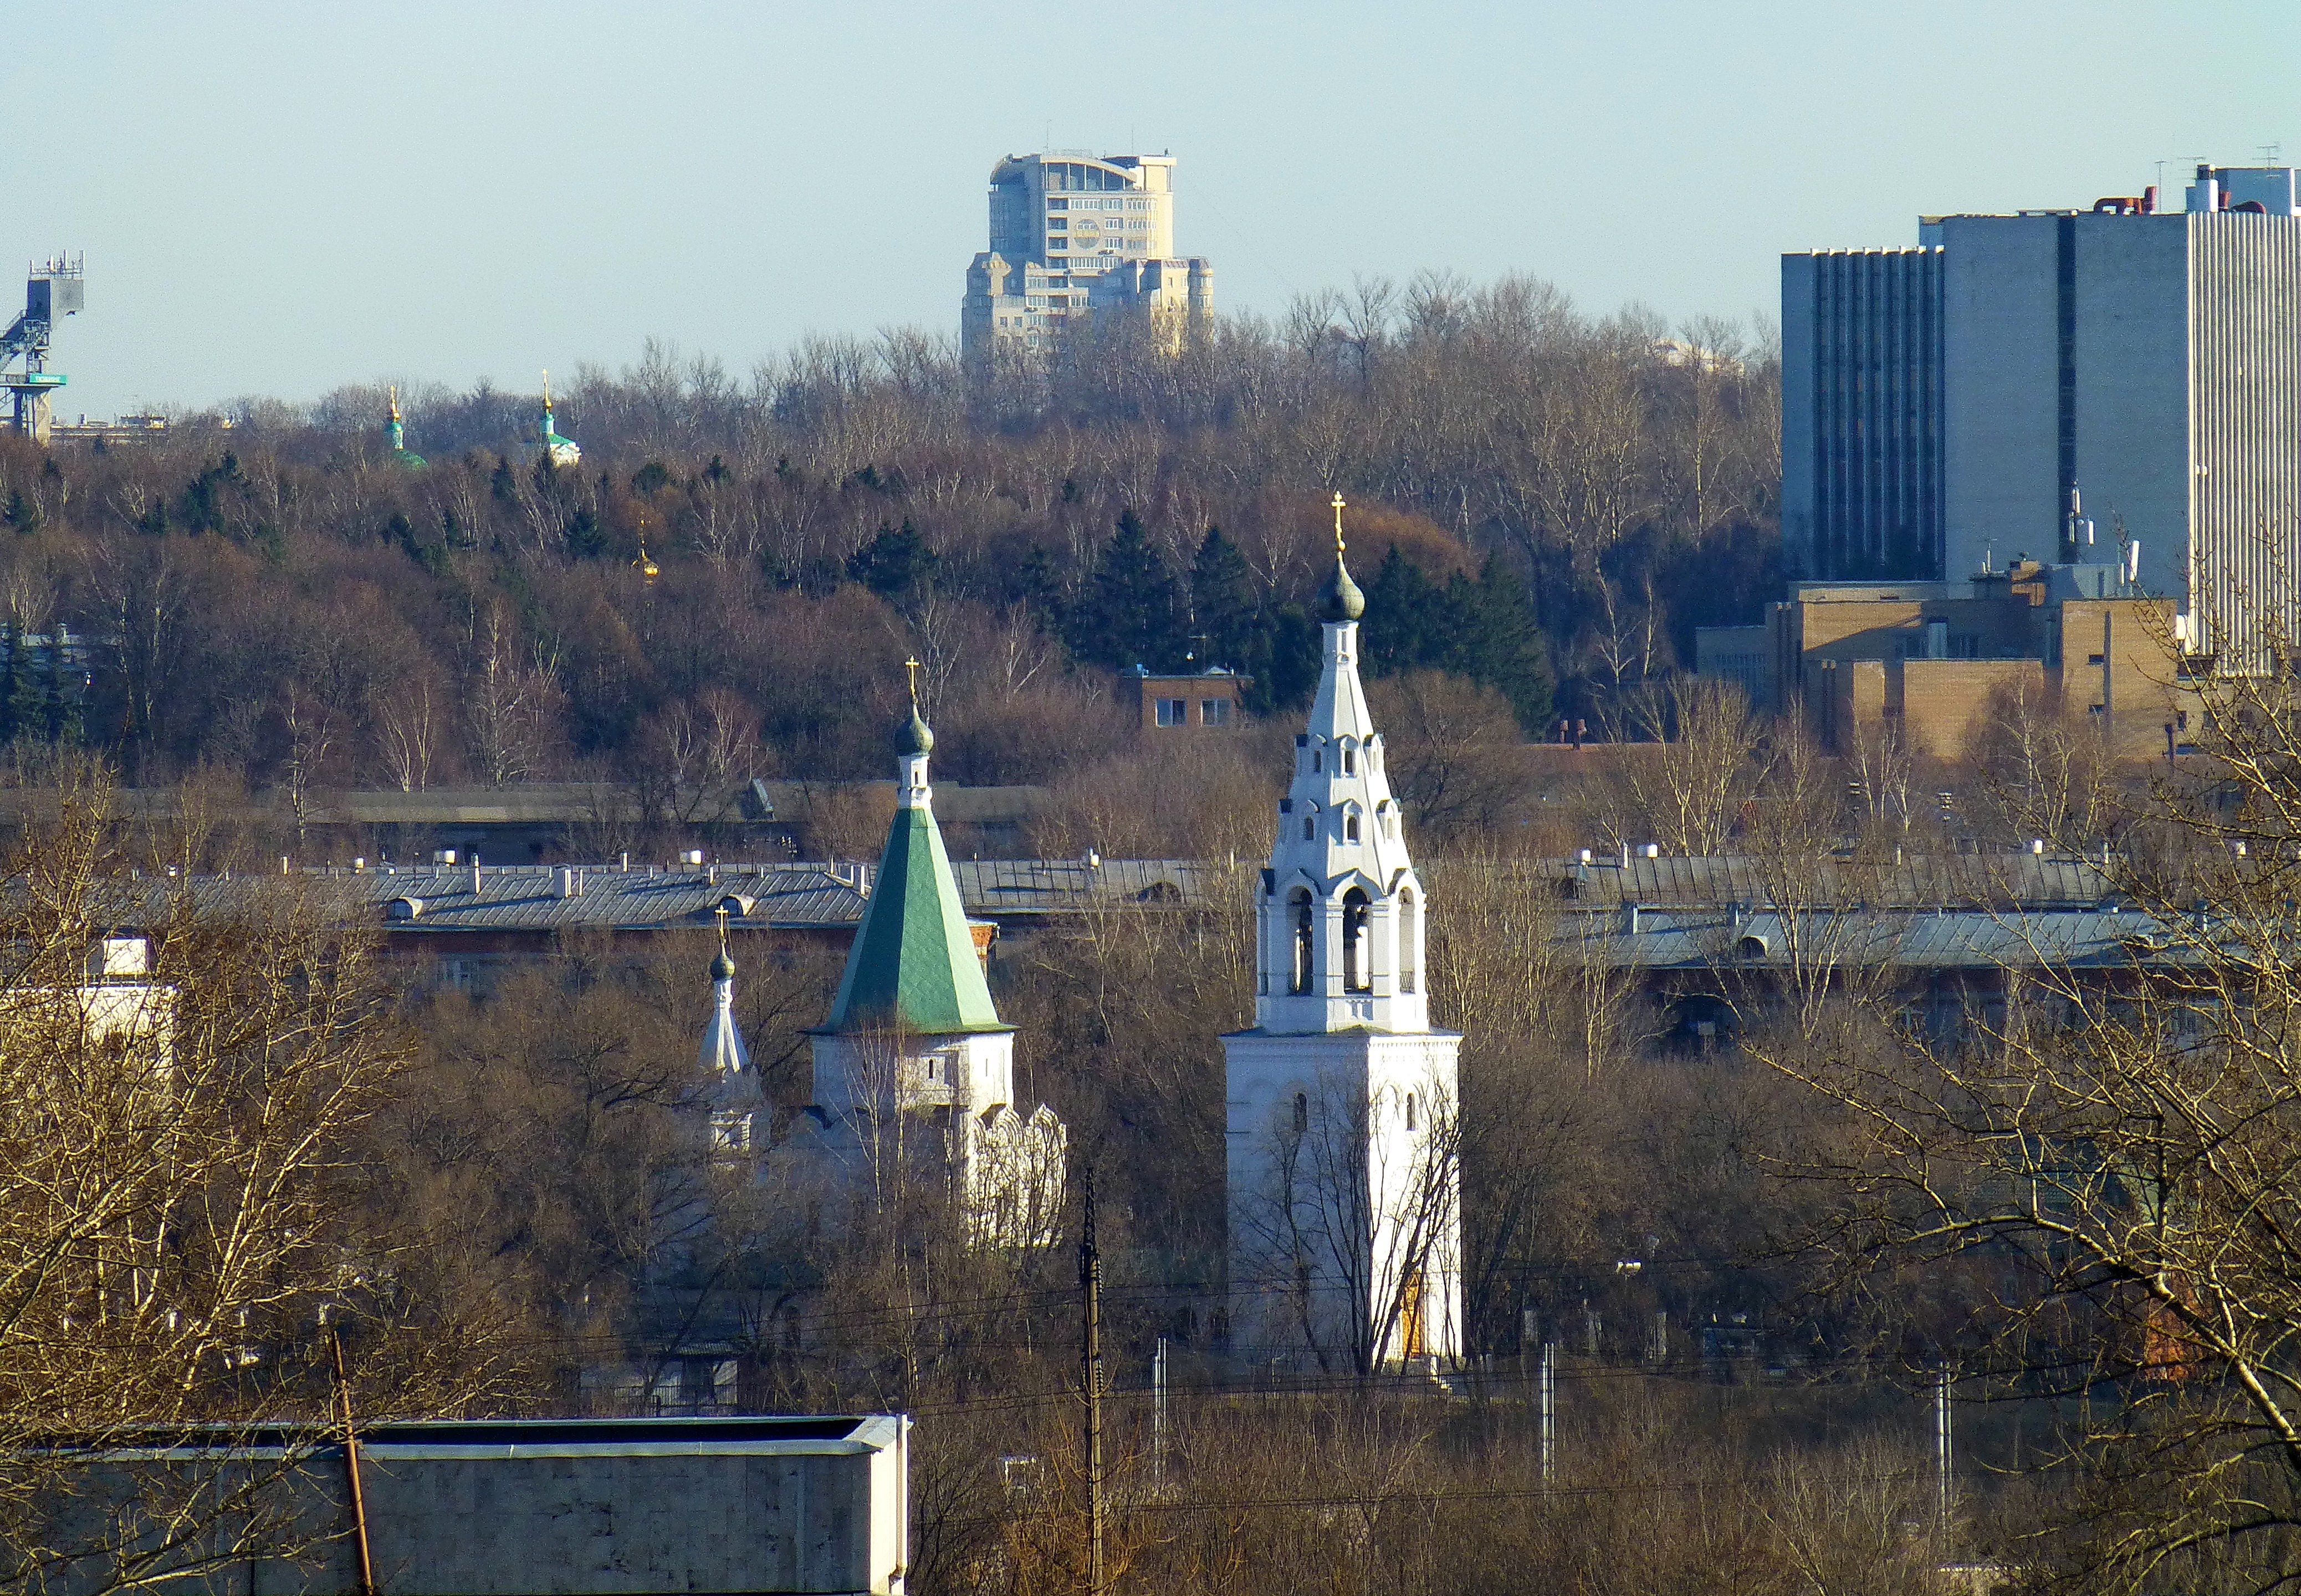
(1358, 964)
(1305, 939)
(1409, 939)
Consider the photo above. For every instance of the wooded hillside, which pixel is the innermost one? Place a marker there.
(1544, 502)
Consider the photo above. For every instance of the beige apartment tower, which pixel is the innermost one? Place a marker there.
(1074, 235)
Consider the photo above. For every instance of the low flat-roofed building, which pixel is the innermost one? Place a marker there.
(1924, 660)
(793, 1507)
(1202, 700)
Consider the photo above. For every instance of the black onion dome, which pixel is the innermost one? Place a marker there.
(913, 736)
(723, 968)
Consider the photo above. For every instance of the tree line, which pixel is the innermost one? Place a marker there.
(1547, 503)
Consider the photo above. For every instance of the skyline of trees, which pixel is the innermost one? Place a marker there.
(1547, 503)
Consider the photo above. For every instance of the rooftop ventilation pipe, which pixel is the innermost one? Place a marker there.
(1631, 914)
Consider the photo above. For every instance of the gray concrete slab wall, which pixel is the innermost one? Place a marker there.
(2000, 366)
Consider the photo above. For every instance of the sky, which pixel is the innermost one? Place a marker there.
(284, 198)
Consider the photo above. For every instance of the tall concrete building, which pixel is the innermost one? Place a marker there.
(1074, 235)
(2114, 384)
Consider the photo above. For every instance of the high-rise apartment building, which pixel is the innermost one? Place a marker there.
(2114, 386)
(1075, 235)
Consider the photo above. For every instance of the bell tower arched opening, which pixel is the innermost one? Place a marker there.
(1410, 940)
(1358, 943)
(1305, 939)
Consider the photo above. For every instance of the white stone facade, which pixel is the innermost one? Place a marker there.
(1342, 1103)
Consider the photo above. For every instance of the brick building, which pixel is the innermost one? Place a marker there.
(1925, 659)
(1210, 699)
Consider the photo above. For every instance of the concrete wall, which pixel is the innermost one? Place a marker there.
(2000, 378)
(637, 1508)
(2131, 355)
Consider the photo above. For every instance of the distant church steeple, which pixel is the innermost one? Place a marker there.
(914, 1039)
(736, 1100)
(396, 435)
(558, 450)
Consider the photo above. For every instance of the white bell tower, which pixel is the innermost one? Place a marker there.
(1344, 1171)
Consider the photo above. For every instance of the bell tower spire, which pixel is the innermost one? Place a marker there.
(1340, 918)
(1341, 1099)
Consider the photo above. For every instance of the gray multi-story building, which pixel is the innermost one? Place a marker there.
(2121, 384)
(1074, 235)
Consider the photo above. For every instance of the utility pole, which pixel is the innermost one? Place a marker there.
(366, 1586)
(1549, 1393)
(1159, 1415)
(1091, 1286)
(1942, 1439)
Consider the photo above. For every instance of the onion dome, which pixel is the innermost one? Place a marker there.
(723, 968)
(1340, 599)
(913, 736)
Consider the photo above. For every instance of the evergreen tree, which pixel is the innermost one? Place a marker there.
(897, 566)
(1490, 637)
(1406, 624)
(13, 685)
(1132, 611)
(1224, 608)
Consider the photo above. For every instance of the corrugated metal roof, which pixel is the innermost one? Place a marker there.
(1926, 882)
(796, 897)
(1914, 939)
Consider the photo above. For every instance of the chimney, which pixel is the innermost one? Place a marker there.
(475, 875)
(1630, 919)
(566, 881)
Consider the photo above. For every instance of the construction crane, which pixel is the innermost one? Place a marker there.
(55, 288)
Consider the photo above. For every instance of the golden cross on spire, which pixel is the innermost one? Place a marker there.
(395, 401)
(546, 387)
(723, 928)
(1338, 521)
(911, 669)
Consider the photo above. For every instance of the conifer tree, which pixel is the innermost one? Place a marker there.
(1224, 604)
(1132, 613)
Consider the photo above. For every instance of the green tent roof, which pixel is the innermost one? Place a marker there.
(913, 967)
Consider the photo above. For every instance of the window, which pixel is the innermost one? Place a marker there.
(1351, 827)
(1173, 712)
(1309, 828)
(1358, 974)
(1350, 761)
(1410, 934)
(1214, 712)
(1304, 943)
(1409, 1111)
(1318, 760)
(1301, 1112)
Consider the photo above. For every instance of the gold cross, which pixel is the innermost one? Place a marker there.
(911, 668)
(723, 929)
(547, 389)
(395, 401)
(1338, 521)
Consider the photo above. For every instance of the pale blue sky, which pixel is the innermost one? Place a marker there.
(284, 197)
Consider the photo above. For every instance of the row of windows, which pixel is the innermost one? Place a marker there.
(1176, 711)
(1351, 826)
(1097, 204)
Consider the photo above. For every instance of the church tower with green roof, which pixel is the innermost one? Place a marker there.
(395, 434)
(913, 1039)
